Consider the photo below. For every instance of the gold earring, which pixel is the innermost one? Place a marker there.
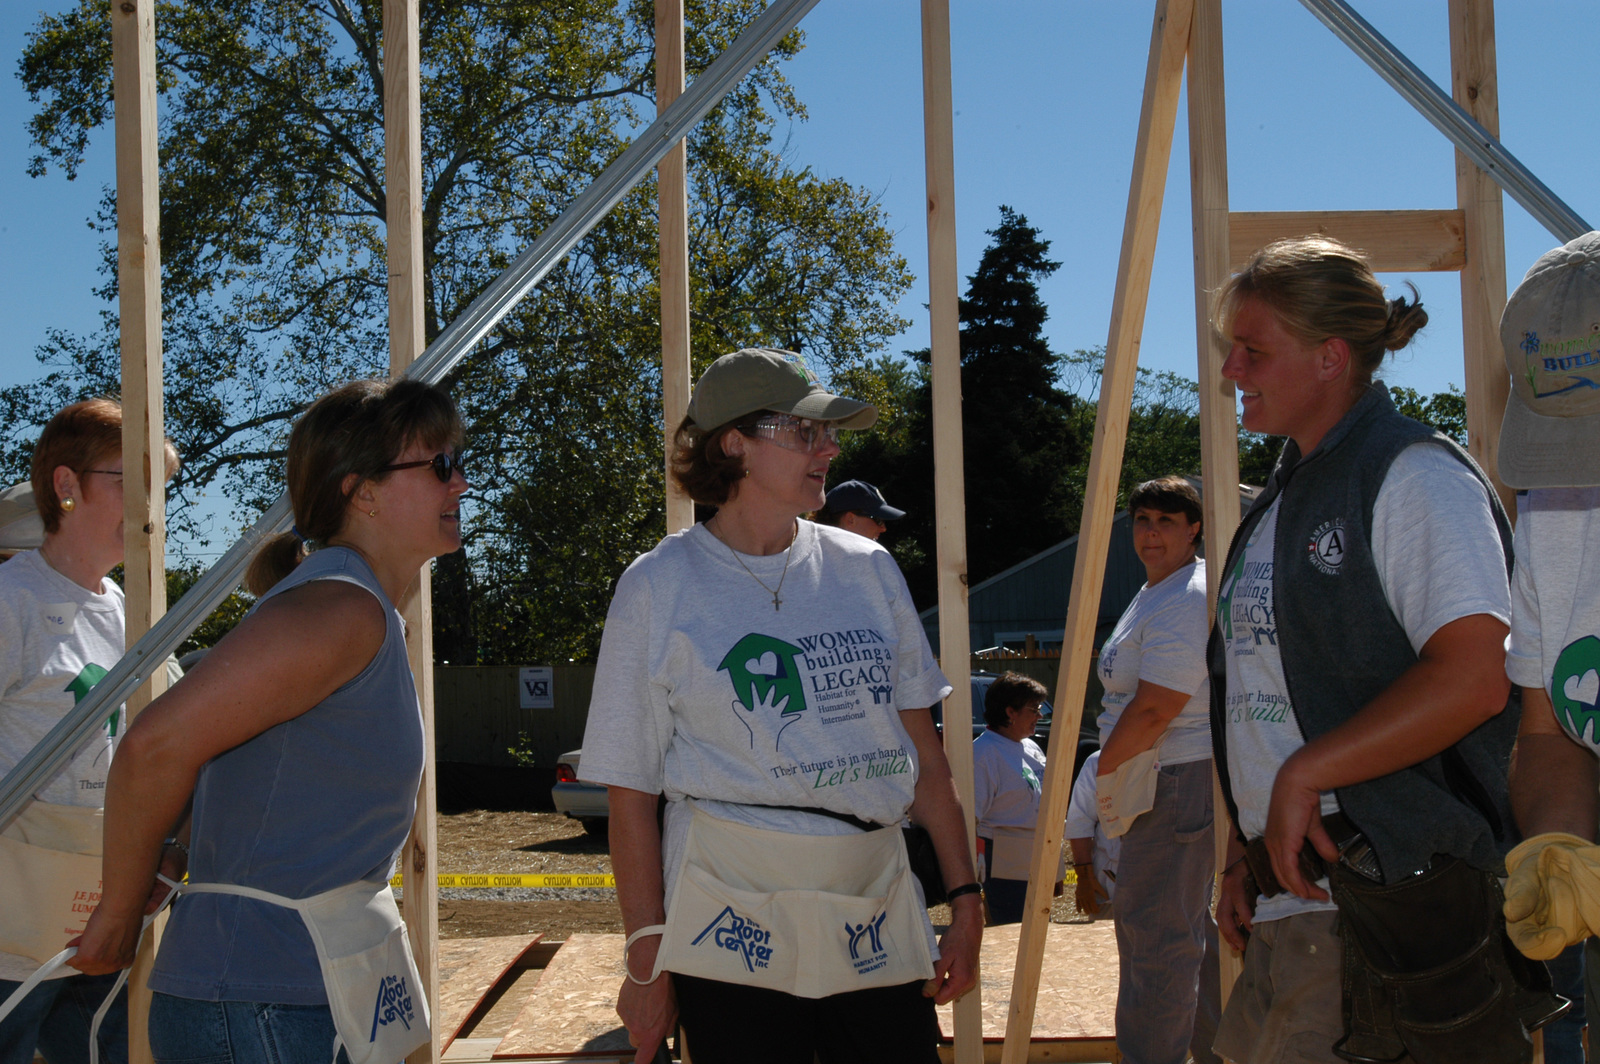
(372, 513)
(67, 505)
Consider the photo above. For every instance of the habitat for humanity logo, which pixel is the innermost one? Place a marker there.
(870, 935)
(393, 1005)
(737, 934)
(765, 677)
(1575, 688)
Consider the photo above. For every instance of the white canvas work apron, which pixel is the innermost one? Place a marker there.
(808, 915)
(49, 877)
(1127, 793)
(374, 991)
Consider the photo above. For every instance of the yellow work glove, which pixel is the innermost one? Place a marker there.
(1552, 893)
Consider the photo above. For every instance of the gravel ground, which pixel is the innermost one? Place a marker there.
(494, 842)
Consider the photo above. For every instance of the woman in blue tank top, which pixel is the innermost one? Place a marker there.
(290, 756)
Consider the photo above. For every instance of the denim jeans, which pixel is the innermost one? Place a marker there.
(240, 1032)
(1163, 907)
(55, 1019)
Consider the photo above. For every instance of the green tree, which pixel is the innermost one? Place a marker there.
(274, 276)
(1017, 424)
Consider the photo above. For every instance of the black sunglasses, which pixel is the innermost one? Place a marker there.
(443, 465)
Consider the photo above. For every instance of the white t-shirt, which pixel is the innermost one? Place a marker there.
(1007, 779)
(703, 690)
(1161, 638)
(1555, 605)
(1083, 821)
(57, 640)
(1439, 559)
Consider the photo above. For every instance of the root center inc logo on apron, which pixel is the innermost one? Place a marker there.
(392, 1006)
(869, 935)
(740, 935)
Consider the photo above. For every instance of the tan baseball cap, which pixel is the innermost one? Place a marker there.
(1550, 331)
(760, 378)
(21, 527)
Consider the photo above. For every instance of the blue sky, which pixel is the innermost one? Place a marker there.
(1047, 96)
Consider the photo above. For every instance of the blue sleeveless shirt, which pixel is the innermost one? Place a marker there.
(314, 803)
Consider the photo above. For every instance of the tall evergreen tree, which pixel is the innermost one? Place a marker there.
(1017, 425)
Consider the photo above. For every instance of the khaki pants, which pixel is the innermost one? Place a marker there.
(1286, 1007)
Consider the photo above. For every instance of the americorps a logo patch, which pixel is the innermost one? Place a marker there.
(1326, 549)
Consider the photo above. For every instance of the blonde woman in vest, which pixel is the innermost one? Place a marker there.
(1358, 690)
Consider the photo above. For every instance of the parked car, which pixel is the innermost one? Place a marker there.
(584, 802)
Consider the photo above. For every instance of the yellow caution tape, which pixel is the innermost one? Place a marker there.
(597, 879)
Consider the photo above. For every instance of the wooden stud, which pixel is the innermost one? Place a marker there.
(402, 132)
(1169, 41)
(1475, 86)
(133, 62)
(1219, 436)
(672, 197)
(950, 509)
(1394, 241)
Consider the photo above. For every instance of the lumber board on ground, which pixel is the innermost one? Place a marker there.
(573, 1010)
(1077, 996)
(469, 970)
(1394, 241)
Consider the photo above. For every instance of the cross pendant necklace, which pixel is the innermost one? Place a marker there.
(777, 602)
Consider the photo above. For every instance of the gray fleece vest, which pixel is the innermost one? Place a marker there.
(1341, 644)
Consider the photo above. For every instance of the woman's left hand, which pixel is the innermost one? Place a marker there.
(956, 970)
(108, 943)
(1294, 818)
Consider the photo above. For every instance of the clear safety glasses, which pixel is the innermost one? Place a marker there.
(795, 433)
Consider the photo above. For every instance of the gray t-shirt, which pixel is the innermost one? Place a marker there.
(1161, 638)
(1007, 779)
(703, 690)
(1439, 559)
(1555, 605)
(57, 639)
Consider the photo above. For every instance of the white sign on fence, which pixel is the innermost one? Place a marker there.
(537, 686)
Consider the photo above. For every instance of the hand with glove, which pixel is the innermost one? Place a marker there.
(1552, 893)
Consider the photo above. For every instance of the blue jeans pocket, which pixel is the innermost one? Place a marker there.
(186, 1031)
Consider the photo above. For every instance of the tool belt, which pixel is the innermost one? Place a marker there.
(1427, 969)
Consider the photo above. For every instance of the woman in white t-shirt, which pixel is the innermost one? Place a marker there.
(1360, 620)
(769, 676)
(1007, 781)
(61, 629)
(1153, 668)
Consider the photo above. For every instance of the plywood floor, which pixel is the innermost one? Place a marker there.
(1077, 984)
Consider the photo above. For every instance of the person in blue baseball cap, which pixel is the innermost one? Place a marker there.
(858, 507)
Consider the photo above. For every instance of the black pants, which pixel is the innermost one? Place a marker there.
(726, 1023)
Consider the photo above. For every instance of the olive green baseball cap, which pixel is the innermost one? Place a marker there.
(761, 378)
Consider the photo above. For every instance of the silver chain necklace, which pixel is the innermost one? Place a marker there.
(777, 603)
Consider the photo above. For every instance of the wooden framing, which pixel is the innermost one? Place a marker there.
(672, 198)
(1469, 238)
(950, 507)
(402, 132)
(1169, 40)
(1395, 241)
(1475, 86)
(133, 62)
